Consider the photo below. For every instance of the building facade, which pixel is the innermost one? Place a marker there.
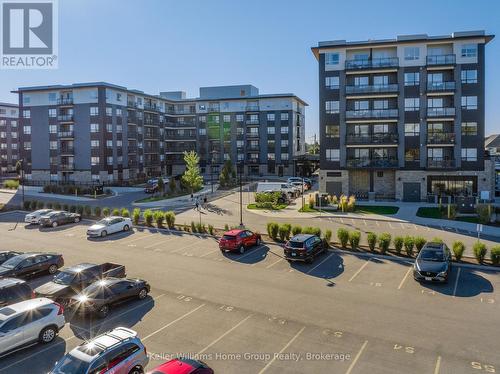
(404, 118)
(99, 132)
(9, 138)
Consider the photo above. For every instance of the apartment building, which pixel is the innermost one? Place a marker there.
(404, 118)
(100, 132)
(9, 138)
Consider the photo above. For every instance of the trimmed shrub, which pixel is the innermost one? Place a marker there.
(312, 231)
(354, 238)
(371, 238)
(328, 236)
(65, 207)
(49, 205)
(437, 240)
(170, 218)
(79, 209)
(458, 250)
(159, 217)
(40, 205)
(226, 228)
(87, 210)
(136, 216)
(27, 205)
(34, 205)
(193, 227)
(495, 255)
(284, 231)
(105, 212)
(57, 206)
(484, 212)
(479, 250)
(384, 241)
(409, 243)
(398, 244)
(97, 211)
(273, 230)
(343, 236)
(210, 229)
(148, 217)
(11, 184)
(296, 230)
(419, 243)
(116, 212)
(125, 212)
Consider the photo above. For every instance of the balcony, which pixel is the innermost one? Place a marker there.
(252, 121)
(375, 113)
(252, 108)
(65, 118)
(252, 134)
(440, 112)
(441, 138)
(376, 63)
(65, 101)
(377, 88)
(389, 138)
(254, 148)
(151, 107)
(132, 149)
(131, 104)
(66, 134)
(252, 160)
(67, 150)
(372, 163)
(440, 164)
(440, 86)
(67, 166)
(131, 134)
(213, 109)
(441, 60)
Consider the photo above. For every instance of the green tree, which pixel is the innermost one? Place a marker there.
(161, 186)
(226, 176)
(192, 178)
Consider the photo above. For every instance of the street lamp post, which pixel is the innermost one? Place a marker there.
(240, 167)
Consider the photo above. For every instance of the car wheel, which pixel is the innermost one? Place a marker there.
(143, 293)
(103, 233)
(54, 224)
(241, 249)
(137, 370)
(52, 269)
(77, 219)
(47, 334)
(126, 228)
(103, 311)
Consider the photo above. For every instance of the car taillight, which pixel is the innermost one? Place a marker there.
(33, 295)
(61, 309)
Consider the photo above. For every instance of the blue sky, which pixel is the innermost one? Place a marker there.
(160, 45)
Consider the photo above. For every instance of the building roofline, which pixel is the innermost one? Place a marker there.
(9, 105)
(417, 38)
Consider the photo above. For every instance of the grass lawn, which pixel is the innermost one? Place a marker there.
(429, 212)
(376, 209)
(276, 207)
(468, 219)
(162, 197)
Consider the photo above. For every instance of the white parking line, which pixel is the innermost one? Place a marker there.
(282, 350)
(359, 270)
(404, 278)
(378, 224)
(223, 335)
(415, 227)
(158, 243)
(208, 253)
(364, 221)
(330, 255)
(353, 363)
(249, 253)
(274, 263)
(341, 220)
(173, 322)
(390, 225)
(402, 226)
(456, 282)
(438, 365)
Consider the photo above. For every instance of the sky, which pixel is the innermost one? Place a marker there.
(167, 45)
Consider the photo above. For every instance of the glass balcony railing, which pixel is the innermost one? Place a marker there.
(439, 163)
(441, 138)
(65, 117)
(375, 63)
(372, 162)
(440, 112)
(440, 86)
(376, 88)
(441, 60)
(391, 138)
(65, 101)
(373, 113)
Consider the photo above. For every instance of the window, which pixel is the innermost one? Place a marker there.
(239, 131)
(284, 116)
(226, 118)
(109, 160)
(361, 105)
(412, 79)
(94, 111)
(13, 134)
(332, 107)
(411, 53)
(26, 113)
(381, 104)
(119, 143)
(381, 129)
(118, 112)
(109, 111)
(332, 131)
(284, 129)
(435, 154)
(333, 154)
(332, 59)
(361, 81)
(284, 143)
(270, 116)
(380, 80)
(118, 97)
(53, 145)
(469, 50)
(271, 156)
(202, 131)
(94, 143)
(109, 127)
(27, 145)
(412, 154)
(469, 154)
(109, 143)
(469, 102)
(271, 130)
(332, 83)
(284, 156)
(52, 96)
(26, 99)
(119, 129)
(94, 127)
(240, 143)
(52, 113)
(239, 118)
(469, 128)
(435, 103)
(412, 129)
(27, 130)
(94, 161)
(469, 76)
(412, 104)
(241, 156)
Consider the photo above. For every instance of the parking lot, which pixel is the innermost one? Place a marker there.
(256, 313)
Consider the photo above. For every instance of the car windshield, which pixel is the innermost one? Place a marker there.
(296, 244)
(432, 255)
(104, 222)
(70, 364)
(64, 278)
(11, 263)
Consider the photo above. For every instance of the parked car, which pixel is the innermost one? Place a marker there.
(29, 321)
(182, 366)
(5, 255)
(433, 263)
(152, 185)
(31, 264)
(103, 294)
(117, 351)
(72, 280)
(238, 240)
(277, 186)
(59, 217)
(34, 217)
(304, 247)
(13, 290)
(109, 225)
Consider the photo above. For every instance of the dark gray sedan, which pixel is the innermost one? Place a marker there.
(433, 263)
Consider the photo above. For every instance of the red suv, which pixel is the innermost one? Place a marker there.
(182, 366)
(238, 240)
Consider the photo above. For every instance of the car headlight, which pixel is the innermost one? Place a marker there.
(442, 274)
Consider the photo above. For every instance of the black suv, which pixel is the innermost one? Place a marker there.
(304, 247)
(433, 263)
(13, 290)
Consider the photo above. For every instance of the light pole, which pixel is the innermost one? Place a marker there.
(20, 167)
(240, 167)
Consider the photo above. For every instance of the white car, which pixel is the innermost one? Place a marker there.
(29, 321)
(34, 217)
(109, 225)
